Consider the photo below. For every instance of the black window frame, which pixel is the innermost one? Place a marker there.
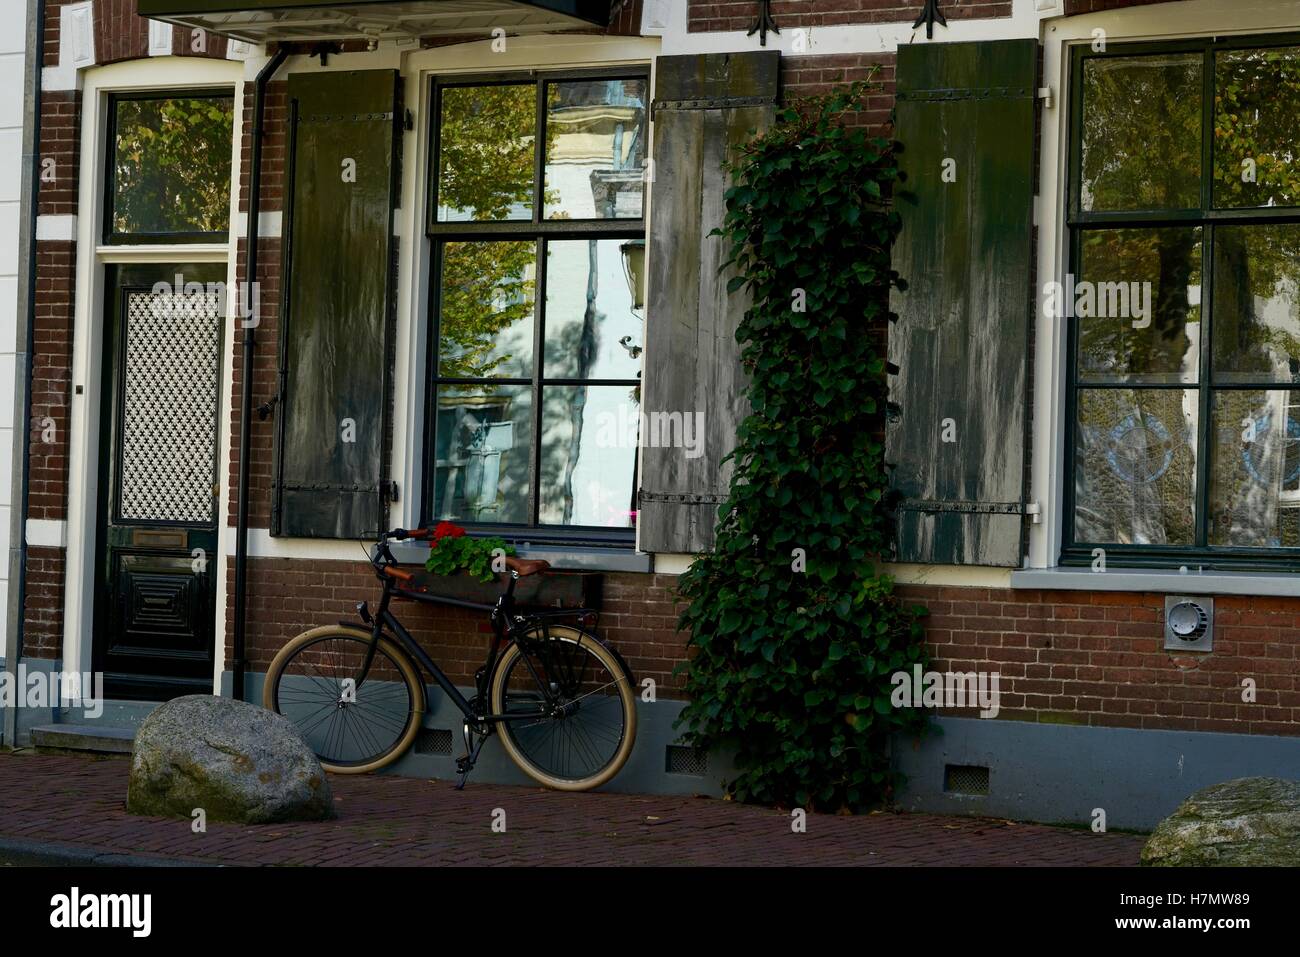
(541, 231)
(1200, 555)
(109, 235)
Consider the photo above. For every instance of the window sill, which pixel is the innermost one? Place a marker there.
(563, 557)
(1159, 580)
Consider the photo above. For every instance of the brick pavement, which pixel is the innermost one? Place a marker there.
(78, 800)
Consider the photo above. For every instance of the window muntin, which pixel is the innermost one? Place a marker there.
(169, 167)
(535, 306)
(1185, 434)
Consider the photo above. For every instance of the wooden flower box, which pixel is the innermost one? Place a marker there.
(554, 589)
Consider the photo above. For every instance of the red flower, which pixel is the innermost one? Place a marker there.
(446, 530)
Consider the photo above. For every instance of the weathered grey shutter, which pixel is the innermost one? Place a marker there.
(960, 343)
(331, 451)
(705, 105)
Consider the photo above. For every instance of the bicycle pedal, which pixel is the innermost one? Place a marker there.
(463, 764)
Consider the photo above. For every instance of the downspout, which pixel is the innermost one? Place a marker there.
(17, 557)
(250, 350)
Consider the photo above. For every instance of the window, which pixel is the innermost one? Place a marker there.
(1184, 298)
(169, 167)
(536, 301)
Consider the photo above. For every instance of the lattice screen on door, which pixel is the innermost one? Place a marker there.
(169, 407)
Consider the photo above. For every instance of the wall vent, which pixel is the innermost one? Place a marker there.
(965, 779)
(680, 759)
(433, 741)
(1189, 623)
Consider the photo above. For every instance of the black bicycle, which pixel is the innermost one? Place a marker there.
(562, 699)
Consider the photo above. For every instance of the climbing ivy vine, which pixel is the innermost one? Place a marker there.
(794, 631)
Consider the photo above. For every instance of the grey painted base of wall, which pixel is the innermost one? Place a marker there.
(646, 771)
(1060, 773)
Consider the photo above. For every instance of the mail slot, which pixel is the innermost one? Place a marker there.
(164, 538)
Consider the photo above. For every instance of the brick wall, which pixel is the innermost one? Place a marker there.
(722, 15)
(51, 379)
(43, 603)
(289, 596)
(802, 76)
(1098, 658)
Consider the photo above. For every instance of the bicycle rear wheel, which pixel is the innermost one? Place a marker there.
(575, 708)
(353, 724)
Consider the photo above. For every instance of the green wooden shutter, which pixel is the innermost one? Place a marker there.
(960, 343)
(705, 106)
(331, 450)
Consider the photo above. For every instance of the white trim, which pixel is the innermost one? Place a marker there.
(76, 48)
(46, 533)
(269, 225)
(262, 544)
(56, 228)
(1195, 18)
(198, 252)
(961, 576)
(87, 334)
(160, 38)
(673, 563)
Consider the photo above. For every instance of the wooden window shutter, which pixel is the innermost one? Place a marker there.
(336, 329)
(957, 436)
(705, 106)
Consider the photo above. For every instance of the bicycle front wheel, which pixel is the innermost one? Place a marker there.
(354, 722)
(573, 708)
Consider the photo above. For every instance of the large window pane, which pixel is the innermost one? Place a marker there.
(589, 445)
(1141, 132)
(1256, 139)
(591, 330)
(595, 149)
(1135, 467)
(1257, 303)
(486, 152)
(485, 315)
(481, 456)
(171, 165)
(1138, 304)
(1255, 480)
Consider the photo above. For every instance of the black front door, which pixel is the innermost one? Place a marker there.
(158, 482)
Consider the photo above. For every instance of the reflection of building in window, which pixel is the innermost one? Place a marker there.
(474, 468)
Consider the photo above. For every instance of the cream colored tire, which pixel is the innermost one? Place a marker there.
(626, 693)
(410, 674)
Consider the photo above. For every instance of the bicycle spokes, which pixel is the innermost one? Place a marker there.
(576, 717)
(346, 714)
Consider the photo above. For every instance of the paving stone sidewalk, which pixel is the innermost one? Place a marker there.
(75, 800)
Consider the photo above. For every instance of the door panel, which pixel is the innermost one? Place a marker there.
(159, 481)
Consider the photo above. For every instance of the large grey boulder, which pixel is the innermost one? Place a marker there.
(1249, 822)
(236, 761)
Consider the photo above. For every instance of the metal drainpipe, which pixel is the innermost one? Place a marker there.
(13, 642)
(250, 350)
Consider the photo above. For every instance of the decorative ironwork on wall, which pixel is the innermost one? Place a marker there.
(763, 23)
(172, 368)
(930, 15)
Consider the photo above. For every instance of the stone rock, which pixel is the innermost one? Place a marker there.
(236, 761)
(1249, 822)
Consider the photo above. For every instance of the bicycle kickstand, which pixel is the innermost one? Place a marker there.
(465, 763)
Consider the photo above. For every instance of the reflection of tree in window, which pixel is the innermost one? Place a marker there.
(172, 165)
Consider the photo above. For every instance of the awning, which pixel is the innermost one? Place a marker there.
(259, 21)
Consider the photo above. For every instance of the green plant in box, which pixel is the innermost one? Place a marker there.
(452, 551)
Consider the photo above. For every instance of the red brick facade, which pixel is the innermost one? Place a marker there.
(722, 15)
(638, 615)
(43, 611)
(1098, 658)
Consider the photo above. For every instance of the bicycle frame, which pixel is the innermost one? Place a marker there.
(506, 625)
